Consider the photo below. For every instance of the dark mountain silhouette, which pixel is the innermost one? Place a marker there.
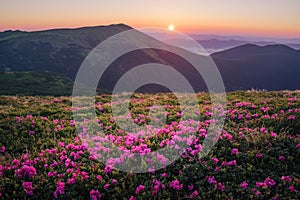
(216, 45)
(60, 52)
(57, 50)
(271, 67)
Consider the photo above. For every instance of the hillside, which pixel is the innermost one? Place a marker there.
(61, 51)
(256, 155)
(57, 50)
(271, 67)
(216, 45)
(35, 83)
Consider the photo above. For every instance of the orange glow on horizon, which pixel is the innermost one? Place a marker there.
(207, 28)
(234, 17)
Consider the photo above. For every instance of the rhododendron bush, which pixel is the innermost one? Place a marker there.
(256, 156)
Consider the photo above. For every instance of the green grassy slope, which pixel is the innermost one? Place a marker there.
(34, 83)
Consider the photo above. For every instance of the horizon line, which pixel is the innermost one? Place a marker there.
(232, 34)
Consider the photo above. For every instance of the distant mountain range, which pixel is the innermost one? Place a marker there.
(215, 45)
(280, 40)
(57, 54)
(271, 67)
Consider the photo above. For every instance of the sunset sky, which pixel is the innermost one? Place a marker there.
(256, 17)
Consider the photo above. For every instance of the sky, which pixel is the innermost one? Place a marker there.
(280, 18)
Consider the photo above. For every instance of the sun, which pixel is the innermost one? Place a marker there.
(171, 27)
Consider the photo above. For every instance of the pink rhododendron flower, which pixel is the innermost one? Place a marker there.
(190, 187)
(19, 119)
(217, 168)
(106, 186)
(2, 149)
(263, 130)
(269, 182)
(108, 169)
(234, 151)
(60, 189)
(176, 185)
(62, 144)
(84, 175)
(155, 189)
(53, 164)
(95, 195)
(164, 175)
(28, 117)
(139, 188)
(291, 117)
(211, 180)
(273, 134)
(286, 178)
(28, 188)
(16, 164)
(71, 181)
(260, 184)
(230, 163)
(157, 186)
(244, 185)
(220, 187)
(259, 156)
(194, 194)
(99, 177)
(114, 181)
(292, 188)
(281, 158)
(25, 170)
(215, 160)
(151, 170)
(31, 132)
(43, 118)
(51, 174)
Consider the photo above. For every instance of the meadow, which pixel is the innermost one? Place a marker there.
(256, 155)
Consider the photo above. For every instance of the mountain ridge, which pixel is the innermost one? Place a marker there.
(270, 67)
(254, 49)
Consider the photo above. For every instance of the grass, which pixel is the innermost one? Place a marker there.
(256, 156)
(34, 83)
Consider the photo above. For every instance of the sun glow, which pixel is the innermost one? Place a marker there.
(171, 27)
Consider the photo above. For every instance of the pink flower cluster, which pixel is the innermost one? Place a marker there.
(267, 183)
(139, 189)
(95, 195)
(244, 185)
(60, 189)
(157, 185)
(26, 171)
(217, 185)
(64, 163)
(28, 188)
(176, 185)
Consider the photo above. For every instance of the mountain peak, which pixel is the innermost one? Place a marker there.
(12, 31)
(247, 50)
(265, 47)
(121, 26)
